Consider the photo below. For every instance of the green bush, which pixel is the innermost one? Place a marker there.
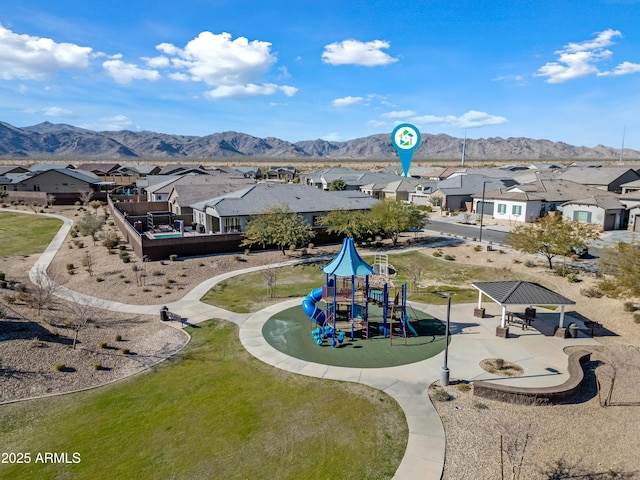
(572, 278)
(98, 366)
(2, 276)
(630, 307)
(125, 351)
(118, 338)
(463, 387)
(99, 279)
(449, 257)
(59, 367)
(103, 344)
(173, 257)
(529, 264)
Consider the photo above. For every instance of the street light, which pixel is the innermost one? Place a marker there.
(444, 374)
(484, 186)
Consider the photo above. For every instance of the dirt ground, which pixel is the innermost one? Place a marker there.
(580, 438)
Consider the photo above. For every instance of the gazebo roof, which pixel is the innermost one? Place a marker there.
(347, 262)
(518, 292)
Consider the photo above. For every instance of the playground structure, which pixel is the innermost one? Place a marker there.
(347, 295)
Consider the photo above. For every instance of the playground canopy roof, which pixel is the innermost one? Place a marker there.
(347, 262)
(518, 292)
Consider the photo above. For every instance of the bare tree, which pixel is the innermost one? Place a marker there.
(617, 360)
(87, 263)
(414, 274)
(45, 287)
(35, 208)
(514, 440)
(80, 311)
(270, 277)
(51, 199)
(85, 197)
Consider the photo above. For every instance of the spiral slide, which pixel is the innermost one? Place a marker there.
(309, 306)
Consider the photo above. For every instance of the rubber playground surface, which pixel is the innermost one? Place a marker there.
(289, 331)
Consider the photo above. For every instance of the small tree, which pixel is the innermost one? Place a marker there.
(3, 194)
(79, 312)
(270, 277)
(622, 263)
(51, 199)
(395, 216)
(356, 224)
(337, 185)
(91, 225)
(85, 197)
(551, 236)
(45, 288)
(278, 226)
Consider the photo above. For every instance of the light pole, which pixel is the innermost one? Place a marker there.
(444, 374)
(484, 186)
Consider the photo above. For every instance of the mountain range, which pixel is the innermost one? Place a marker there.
(49, 140)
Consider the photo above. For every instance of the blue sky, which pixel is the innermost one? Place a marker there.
(559, 70)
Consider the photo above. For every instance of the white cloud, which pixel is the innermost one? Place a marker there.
(235, 67)
(249, 90)
(346, 101)
(471, 119)
(125, 73)
(353, 52)
(157, 62)
(377, 123)
(625, 68)
(399, 114)
(35, 58)
(57, 112)
(114, 123)
(331, 137)
(218, 60)
(578, 60)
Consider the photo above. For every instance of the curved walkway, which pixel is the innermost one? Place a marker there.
(542, 358)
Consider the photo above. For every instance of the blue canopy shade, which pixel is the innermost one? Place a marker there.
(347, 263)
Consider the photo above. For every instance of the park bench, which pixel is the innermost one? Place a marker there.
(518, 318)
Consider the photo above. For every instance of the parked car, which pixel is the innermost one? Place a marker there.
(580, 252)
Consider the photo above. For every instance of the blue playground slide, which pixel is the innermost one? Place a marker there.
(410, 327)
(309, 306)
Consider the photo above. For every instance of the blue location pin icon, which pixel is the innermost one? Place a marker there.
(405, 139)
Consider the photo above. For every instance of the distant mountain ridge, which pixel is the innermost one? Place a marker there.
(49, 140)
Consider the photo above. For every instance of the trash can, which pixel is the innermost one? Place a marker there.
(573, 330)
(164, 313)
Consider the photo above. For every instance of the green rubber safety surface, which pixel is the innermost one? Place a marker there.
(290, 331)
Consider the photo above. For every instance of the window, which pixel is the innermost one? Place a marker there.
(516, 210)
(502, 208)
(582, 216)
(231, 224)
(36, 188)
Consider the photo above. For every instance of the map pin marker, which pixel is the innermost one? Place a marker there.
(405, 138)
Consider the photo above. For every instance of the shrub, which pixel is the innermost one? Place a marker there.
(2, 276)
(437, 253)
(563, 271)
(99, 279)
(572, 278)
(170, 280)
(70, 266)
(463, 387)
(157, 273)
(103, 344)
(477, 248)
(636, 318)
(529, 264)
(59, 367)
(449, 257)
(111, 240)
(480, 405)
(292, 248)
(173, 257)
(591, 292)
(73, 233)
(630, 307)
(310, 246)
(98, 366)
(499, 363)
(440, 395)
(125, 351)
(118, 338)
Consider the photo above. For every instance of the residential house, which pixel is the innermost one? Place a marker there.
(527, 202)
(100, 169)
(399, 189)
(231, 212)
(190, 189)
(456, 192)
(281, 173)
(607, 178)
(177, 169)
(605, 211)
(631, 200)
(352, 178)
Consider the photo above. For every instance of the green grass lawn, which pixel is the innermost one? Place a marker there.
(24, 234)
(248, 293)
(212, 411)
